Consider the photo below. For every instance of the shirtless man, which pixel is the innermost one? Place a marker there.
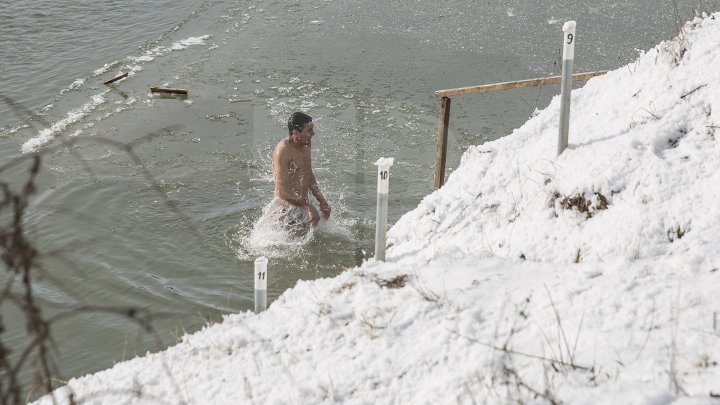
(293, 173)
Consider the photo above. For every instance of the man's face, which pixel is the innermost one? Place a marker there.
(303, 136)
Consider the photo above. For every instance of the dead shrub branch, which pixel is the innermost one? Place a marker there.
(19, 258)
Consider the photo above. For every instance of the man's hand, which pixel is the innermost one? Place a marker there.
(314, 216)
(325, 208)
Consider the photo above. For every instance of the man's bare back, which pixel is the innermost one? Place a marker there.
(292, 169)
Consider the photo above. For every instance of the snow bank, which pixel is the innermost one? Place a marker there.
(642, 137)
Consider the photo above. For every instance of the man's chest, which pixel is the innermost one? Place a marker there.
(298, 164)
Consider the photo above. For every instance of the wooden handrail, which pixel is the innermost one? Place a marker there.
(484, 88)
(441, 153)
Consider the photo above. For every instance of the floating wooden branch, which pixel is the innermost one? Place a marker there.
(122, 76)
(168, 90)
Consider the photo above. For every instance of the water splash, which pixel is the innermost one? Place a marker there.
(271, 238)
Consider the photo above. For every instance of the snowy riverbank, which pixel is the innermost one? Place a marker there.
(588, 278)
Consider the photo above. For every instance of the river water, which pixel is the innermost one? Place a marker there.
(167, 225)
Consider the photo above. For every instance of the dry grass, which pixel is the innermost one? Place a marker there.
(398, 281)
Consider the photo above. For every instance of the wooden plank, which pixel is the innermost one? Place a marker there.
(515, 84)
(168, 90)
(441, 152)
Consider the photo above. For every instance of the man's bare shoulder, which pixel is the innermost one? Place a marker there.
(283, 144)
(281, 148)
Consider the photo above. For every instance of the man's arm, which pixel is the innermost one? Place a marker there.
(315, 190)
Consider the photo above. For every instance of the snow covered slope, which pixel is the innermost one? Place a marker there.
(642, 159)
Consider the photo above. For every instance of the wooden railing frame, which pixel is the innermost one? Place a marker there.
(441, 152)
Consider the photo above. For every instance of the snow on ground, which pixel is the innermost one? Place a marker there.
(528, 278)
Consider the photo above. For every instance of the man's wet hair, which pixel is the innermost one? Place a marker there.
(297, 120)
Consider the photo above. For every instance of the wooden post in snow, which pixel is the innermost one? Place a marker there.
(441, 152)
(261, 274)
(566, 84)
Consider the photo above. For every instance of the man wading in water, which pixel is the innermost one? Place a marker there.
(294, 177)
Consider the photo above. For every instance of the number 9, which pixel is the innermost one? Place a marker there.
(569, 38)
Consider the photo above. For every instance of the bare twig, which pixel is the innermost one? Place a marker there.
(562, 330)
(505, 349)
(114, 79)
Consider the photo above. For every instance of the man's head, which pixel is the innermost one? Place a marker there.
(300, 128)
(297, 120)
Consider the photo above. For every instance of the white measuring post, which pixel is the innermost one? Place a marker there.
(261, 284)
(383, 187)
(566, 84)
